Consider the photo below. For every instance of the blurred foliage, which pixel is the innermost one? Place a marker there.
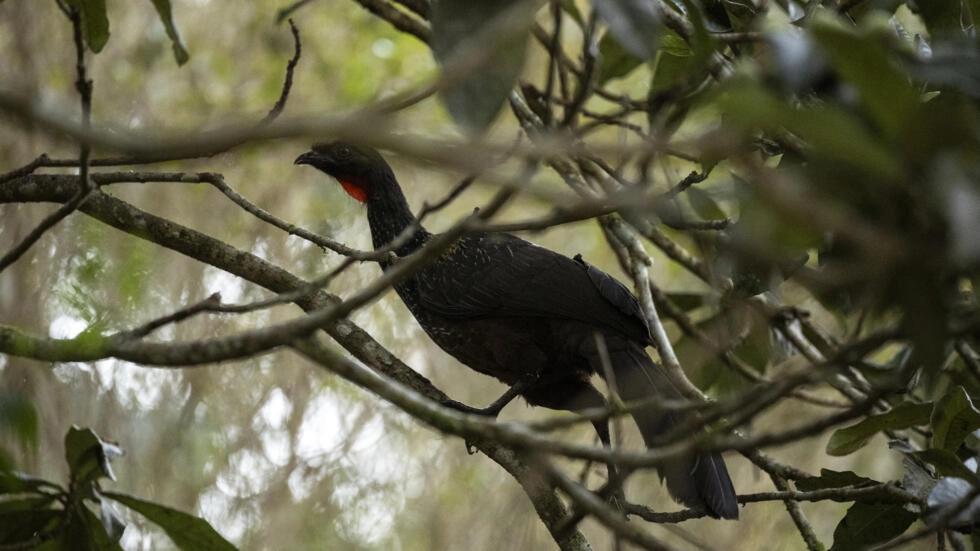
(842, 140)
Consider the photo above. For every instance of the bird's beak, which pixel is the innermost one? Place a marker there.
(305, 159)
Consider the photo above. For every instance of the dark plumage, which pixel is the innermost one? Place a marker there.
(529, 317)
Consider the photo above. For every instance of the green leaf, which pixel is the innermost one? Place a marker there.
(616, 61)
(33, 503)
(946, 463)
(95, 22)
(112, 523)
(88, 455)
(704, 205)
(942, 17)
(187, 531)
(18, 417)
(21, 525)
(87, 532)
(635, 24)
(688, 301)
(953, 418)
(167, 18)
(12, 482)
(476, 92)
(863, 61)
(832, 479)
(867, 524)
(834, 134)
(905, 415)
(669, 69)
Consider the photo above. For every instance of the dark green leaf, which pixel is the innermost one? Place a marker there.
(946, 463)
(25, 504)
(688, 301)
(863, 61)
(942, 17)
(460, 37)
(12, 482)
(187, 531)
(616, 62)
(851, 439)
(833, 134)
(832, 479)
(90, 534)
(867, 524)
(21, 525)
(634, 23)
(716, 16)
(668, 70)
(88, 455)
(167, 18)
(95, 22)
(704, 205)
(953, 418)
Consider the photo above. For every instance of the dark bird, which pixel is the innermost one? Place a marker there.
(529, 317)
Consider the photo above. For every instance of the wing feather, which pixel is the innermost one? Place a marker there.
(500, 275)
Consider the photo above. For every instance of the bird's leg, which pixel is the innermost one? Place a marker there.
(493, 409)
(615, 493)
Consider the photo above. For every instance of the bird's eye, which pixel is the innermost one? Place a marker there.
(344, 152)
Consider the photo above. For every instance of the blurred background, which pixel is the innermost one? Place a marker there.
(273, 451)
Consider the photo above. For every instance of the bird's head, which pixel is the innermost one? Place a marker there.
(357, 168)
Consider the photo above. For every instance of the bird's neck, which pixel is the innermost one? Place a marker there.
(389, 216)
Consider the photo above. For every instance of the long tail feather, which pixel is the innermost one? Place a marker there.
(699, 481)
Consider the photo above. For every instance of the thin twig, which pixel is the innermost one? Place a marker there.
(288, 82)
(799, 519)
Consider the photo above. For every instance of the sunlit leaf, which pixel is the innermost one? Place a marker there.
(187, 531)
(165, 12)
(88, 455)
(902, 416)
(111, 521)
(634, 23)
(866, 524)
(953, 418)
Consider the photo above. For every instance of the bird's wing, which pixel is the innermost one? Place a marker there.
(499, 275)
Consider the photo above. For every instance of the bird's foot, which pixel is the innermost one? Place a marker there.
(459, 406)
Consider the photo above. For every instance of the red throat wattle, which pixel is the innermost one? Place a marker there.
(355, 189)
